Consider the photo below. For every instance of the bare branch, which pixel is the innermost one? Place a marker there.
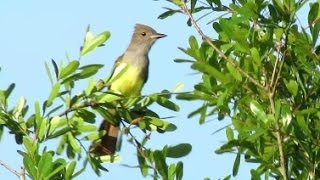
(9, 168)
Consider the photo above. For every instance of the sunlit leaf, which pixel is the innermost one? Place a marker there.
(45, 164)
(70, 68)
(74, 144)
(91, 43)
(54, 93)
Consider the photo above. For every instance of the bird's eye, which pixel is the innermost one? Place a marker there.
(143, 34)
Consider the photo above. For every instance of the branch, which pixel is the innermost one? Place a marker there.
(208, 40)
(283, 169)
(85, 104)
(10, 168)
(23, 173)
(271, 93)
(138, 145)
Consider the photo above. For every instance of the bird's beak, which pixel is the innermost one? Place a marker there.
(158, 36)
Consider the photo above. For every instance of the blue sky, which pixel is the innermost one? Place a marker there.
(32, 32)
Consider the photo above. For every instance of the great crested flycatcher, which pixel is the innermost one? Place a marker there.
(129, 82)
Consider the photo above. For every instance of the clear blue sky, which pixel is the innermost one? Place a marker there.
(32, 32)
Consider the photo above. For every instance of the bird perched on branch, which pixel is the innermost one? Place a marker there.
(128, 82)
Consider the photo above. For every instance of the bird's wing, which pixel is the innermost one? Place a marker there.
(118, 68)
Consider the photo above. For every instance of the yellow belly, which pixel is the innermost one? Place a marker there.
(129, 83)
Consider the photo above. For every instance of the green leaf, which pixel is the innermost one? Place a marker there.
(60, 132)
(193, 4)
(53, 110)
(61, 145)
(94, 136)
(90, 87)
(161, 164)
(48, 72)
(70, 170)
(171, 171)
(168, 13)
(230, 135)
(41, 129)
(108, 97)
(30, 166)
(255, 56)
(110, 158)
(91, 44)
(257, 110)
(178, 87)
(69, 69)
(193, 43)
(168, 127)
(302, 124)
(292, 87)
(143, 165)
(179, 150)
(234, 72)
(37, 110)
(74, 144)
(87, 128)
(86, 115)
(55, 67)
(57, 169)
(9, 90)
(54, 123)
(313, 14)
(164, 102)
(177, 2)
(203, 113)
(278, 109)
(179, 170)
(30, 146)
(45, 164)
(54, 93)
(210, 70)
(17, 112)
(236, 164)
(89, 70)
(183, 61)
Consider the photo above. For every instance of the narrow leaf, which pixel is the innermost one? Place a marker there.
(91, 44)
(70, 68)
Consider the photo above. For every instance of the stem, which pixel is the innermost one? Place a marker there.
(283, 169)
(10, 168)
(270, 89)
(22, 173)
(208, 40)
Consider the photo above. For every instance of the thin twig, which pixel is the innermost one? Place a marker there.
(85, 104)
(142, 148)
(283, 169)
(9, 168)
(208, 40)
(278, 77)
(271, 91)
(275, 68)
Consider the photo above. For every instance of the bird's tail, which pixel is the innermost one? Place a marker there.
(106, 145)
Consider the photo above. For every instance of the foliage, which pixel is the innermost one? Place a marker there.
(69, 117)
(262, 73)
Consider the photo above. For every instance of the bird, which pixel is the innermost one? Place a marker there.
(128, 82)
